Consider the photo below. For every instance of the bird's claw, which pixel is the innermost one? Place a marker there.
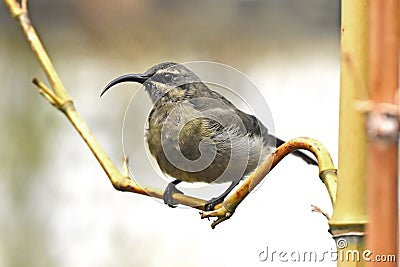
(210, 205)
(168, 193)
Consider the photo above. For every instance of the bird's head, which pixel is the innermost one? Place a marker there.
(159, 79)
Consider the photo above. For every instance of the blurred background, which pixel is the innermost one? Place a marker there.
(57, 207)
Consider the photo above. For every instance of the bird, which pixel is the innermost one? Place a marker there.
(196, 134)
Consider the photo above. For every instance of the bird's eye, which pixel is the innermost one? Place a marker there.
(151, 85)
(168, 77)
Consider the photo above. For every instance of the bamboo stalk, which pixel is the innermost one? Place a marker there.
(349, 215)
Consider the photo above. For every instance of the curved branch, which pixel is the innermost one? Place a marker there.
(327, 173)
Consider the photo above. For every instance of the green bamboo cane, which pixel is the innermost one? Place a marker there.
(349, 216)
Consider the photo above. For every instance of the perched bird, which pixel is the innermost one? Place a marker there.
(196, 134)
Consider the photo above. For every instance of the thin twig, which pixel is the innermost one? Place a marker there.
(47, 93)
(319, 210)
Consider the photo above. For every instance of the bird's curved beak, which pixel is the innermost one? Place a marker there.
(139, 78)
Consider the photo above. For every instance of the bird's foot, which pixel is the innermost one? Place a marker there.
(213, 202)
(169, 191)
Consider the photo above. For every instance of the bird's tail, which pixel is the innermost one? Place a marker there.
(297, 153)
